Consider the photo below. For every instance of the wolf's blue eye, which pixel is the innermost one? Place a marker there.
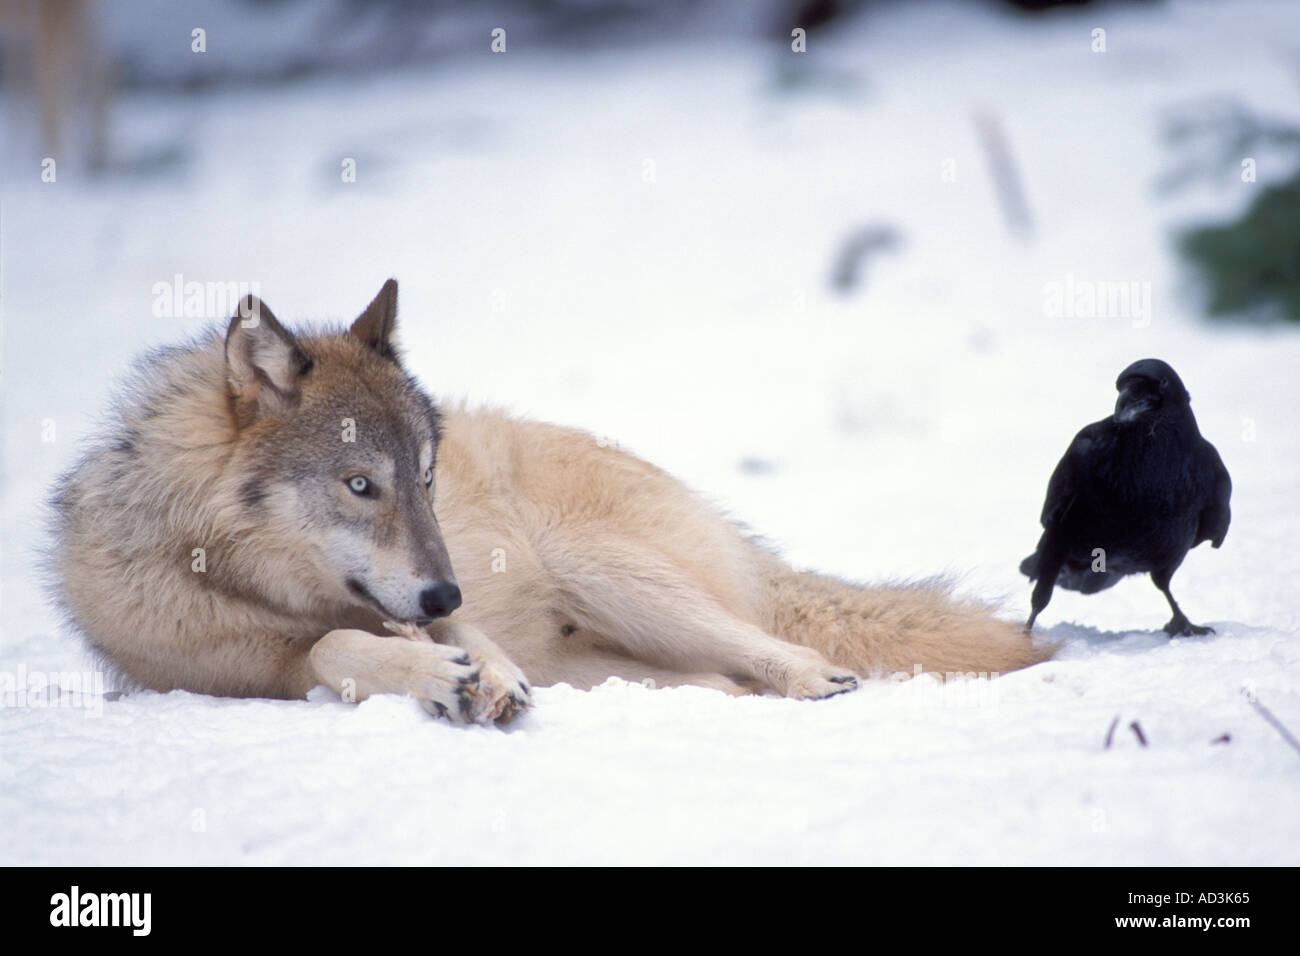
(428, 477)
(359, 484)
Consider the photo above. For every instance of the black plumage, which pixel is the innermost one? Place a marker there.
(1134, 493)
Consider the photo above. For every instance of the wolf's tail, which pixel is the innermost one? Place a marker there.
(884, 630)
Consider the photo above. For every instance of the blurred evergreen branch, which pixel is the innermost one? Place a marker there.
(1250, 266)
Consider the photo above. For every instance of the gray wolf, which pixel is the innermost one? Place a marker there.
(265, 500)
(1132, 495)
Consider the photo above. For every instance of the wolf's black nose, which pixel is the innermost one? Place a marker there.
(441, 599)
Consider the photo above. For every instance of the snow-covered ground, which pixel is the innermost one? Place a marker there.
(639, 242)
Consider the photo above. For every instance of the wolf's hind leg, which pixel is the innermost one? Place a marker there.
(357, 664)
(654, 612)
(586, 667)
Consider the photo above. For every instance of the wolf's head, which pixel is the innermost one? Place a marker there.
(337, 462)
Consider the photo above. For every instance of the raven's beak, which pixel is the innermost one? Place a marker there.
(1128, 407)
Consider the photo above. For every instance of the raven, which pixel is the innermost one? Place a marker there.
(1132, 495)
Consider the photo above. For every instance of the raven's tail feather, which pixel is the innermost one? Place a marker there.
(1085, 580)
(1029, 567)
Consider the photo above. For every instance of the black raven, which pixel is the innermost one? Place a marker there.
(1134, 493)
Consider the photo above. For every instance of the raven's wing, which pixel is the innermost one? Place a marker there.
(1216, 515)
(1073, 471)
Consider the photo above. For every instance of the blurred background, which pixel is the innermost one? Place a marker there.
(858, 271)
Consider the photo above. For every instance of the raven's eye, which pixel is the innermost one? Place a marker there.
(428, 477)
(1164, 384)
(360, 485)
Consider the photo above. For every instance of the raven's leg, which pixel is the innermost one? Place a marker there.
(1178, 625)
(1049, 566)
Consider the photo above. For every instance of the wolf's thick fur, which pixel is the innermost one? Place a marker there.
(217, 542)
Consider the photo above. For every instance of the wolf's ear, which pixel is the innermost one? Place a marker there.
(376, 324)
(263, 362)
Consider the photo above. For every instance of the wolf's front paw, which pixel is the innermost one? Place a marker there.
(358, 664)
(501, 694)
(502, 691)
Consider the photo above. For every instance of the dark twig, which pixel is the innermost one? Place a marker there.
(1110, 734)
(1137, 729)
(1006, 177)
(863, 244)
(1277, 724)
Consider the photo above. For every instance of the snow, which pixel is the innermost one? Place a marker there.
(904, 429)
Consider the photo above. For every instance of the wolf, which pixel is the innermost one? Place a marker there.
(266, 502)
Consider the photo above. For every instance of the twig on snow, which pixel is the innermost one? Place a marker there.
(1276, 724)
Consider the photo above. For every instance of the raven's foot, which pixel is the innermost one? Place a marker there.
(1179, 626)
